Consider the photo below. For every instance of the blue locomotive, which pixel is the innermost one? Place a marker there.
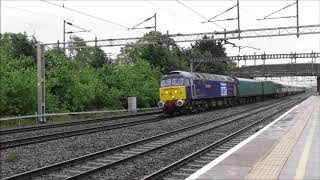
(186, 92)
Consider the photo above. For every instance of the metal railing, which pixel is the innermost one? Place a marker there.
(73, 113)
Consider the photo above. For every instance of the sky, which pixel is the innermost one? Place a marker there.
(45, 21)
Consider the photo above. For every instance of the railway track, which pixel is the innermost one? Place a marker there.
(183, 168)
(48, 137)
(53, 136)
(71, 123)
(85, 165)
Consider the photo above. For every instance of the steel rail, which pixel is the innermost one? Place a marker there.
(48, 137)
(161, 144)
(53, 136)
(70, 123)
(154, 146)
(182, 162)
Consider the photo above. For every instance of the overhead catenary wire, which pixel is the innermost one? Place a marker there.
(208, 20)
(223, 12)
(135, 27)
(267, 17)
(197, 13)
(89, 15)
(34, 12)
(71, 24)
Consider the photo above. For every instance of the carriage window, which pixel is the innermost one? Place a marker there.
(177, 81)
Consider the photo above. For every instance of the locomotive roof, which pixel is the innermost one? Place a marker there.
(195, 75)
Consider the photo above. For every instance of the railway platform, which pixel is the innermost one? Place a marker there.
(287, 148)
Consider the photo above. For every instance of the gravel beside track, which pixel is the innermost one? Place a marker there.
(38, 155)
(34, 133)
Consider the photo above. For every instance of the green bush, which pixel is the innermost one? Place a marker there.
(89, 80)
(18, 88)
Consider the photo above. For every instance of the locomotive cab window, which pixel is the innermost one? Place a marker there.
(177, 81)
(165, 82)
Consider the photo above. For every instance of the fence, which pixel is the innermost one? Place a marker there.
(33, 119)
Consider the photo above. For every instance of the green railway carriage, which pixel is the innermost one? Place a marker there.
(268, 88)
(248, 87)
(278, 88)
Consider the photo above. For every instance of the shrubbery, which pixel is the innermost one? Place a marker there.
(87, 79)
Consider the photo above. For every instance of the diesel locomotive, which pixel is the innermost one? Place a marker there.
(186, 92)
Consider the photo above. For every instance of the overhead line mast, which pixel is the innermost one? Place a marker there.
(267, 17)
(70, 32)
(147, 27)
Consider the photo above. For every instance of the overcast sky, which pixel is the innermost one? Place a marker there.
(45, 21)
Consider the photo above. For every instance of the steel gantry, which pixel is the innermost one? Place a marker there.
(258, 57)
(255, 57)
(215, 35)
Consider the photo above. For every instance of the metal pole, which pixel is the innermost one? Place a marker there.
(64, 36)
(96, 42)
(41, 82)
(318, 84)
(238, 19)
(297, 18)
(191, 66)
(155, 24)
(168, 40)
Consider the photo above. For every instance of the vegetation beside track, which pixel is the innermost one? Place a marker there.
(87, 79)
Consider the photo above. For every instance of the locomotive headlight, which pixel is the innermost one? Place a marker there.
(175, 91)
(167, 92)
(161, 104)
(180, 103)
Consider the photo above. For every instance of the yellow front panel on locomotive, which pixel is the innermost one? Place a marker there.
(172, 93)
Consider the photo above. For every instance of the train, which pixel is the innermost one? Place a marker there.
(188, 92)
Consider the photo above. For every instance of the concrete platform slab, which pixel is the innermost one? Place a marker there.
(288, 148)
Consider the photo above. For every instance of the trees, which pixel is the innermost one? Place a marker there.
(17, 74)
(86, 79)
(119, 82)
(209, 49)
(17, 85)
(90, 55)
(164, 54)
(18, 45)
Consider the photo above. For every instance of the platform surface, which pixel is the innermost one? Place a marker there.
(288, 148)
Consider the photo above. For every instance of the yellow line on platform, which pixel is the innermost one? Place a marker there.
(306, 150)
(269, 166)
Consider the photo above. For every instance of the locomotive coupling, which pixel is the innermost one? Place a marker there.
(180, 103)
(161, 104)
